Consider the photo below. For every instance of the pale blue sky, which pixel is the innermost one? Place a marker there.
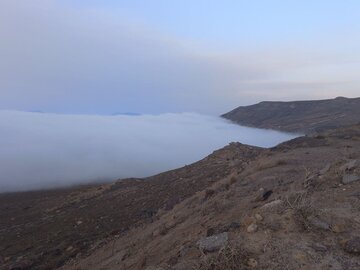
(154, 56)
(231, 23)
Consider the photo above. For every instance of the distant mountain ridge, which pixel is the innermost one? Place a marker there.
(299, 116)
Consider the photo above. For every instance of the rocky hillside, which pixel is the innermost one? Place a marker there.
(44, 229)
(295, 206)
(299, 116)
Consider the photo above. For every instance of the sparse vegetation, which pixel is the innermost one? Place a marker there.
(231, 257)
(303, 208)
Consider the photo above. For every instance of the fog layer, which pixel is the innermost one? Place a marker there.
(48, 150)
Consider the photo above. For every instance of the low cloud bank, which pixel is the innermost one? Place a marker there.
(47, 150)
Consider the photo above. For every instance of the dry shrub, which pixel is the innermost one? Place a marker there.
(231, 257)
(268, 164)
(303, 208)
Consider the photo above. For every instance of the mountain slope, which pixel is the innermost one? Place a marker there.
(79, 220)
(299, 116)
(294, 206)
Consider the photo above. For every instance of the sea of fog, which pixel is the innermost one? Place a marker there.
(39, 150)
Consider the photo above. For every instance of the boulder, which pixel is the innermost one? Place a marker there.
(349, 165)
(319, 223)
(271, 205)
(252, 228)
(214, 242)
(349, 178)
(263, 194)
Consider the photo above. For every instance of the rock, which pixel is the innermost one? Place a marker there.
(252, 263)
(214, 242)
(319, 223)
(258, 217)
(338, 228)
(252, 228)
(263, 194)
(319, 247)
(352, 246)
(272, 204)
(232, 226)
(184, 250)
(349, 165)
(349, 178)
(79, 222)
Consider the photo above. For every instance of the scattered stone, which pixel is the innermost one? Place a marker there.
(319, 247)
(263, 195)
(258, 217)
(349, 178)
(70, 248)
(352, 246)
(79, 222)
(349, 165)
(319, 223)
(272, 204)
(338, 228)
(252, 263)
(252, 228)
(213, 243)
(184, 250)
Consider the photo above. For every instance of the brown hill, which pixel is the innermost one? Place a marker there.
(295, 206)
(43, 229)
(299, 116)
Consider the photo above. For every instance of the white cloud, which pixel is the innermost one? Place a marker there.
(48, 150)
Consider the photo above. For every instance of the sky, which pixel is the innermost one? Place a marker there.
(160, 56)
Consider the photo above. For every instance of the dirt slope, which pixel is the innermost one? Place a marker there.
(44, 229)
(299, 116)
(295, 206)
